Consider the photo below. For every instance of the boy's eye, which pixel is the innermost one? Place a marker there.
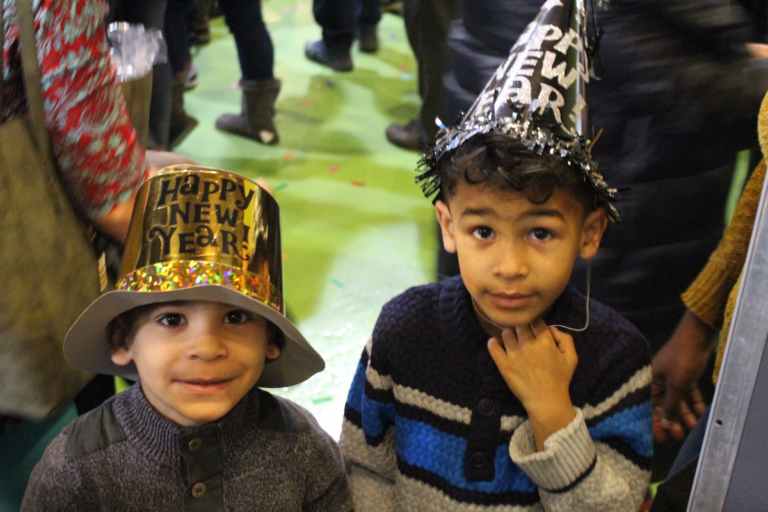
(483, 233)
(541, 234)
(236, 317)
(172, 319)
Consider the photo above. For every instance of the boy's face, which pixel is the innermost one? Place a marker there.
(515, 256)
(196, 359)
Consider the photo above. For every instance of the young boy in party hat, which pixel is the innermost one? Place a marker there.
(471, 394)
(198, 320)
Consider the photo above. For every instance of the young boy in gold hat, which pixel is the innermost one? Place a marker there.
(197, 319)
(471, 395)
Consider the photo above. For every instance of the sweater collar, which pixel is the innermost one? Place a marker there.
(460, 326)
(157, 437)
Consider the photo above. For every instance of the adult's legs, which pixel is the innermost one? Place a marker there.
(178, 42)
(151, 13)
(254, 45)
(426, 23)
(337, 19)
(260, 88)
(368, 15)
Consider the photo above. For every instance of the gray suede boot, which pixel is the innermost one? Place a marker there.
(258, 111)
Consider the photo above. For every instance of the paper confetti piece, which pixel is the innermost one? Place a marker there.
(358, 183)
(289, 155)
(235, 86)
(333, 169)
(321, 400)
(281, 186)
(406, 76)
(306, 101)
(285, 256)
(330, 84)
(404, 69)
(337, 283)
(393, 37)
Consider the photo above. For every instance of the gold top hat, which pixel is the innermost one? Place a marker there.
(198, 234)
(197, 226)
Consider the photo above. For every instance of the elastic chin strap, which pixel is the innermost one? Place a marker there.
(589, 282)
(574, 329)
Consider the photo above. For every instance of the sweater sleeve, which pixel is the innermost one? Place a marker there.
(54, 483)
(707, 296)
(96, 148)
(601, 460)
(367, 438)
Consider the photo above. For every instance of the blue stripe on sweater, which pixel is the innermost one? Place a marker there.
(355, 396)
(426, 447)
(631, 425)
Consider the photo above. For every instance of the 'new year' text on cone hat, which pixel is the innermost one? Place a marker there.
(198, 234)
(538, 95)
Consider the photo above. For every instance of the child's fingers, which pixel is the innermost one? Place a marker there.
(524, 334)
(510, 339)
(565, 344)
(496, 350)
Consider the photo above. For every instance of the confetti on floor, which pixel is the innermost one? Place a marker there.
(358, 184)
(330, 84)
(333, 169)
(235, 86)
(281, 186)
(289, 155)
(404, 69)
(337, 283)
(406, 76)
(285, 256)
(306, 101)
(322, 400)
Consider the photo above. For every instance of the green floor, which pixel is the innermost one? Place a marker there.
(356, 229)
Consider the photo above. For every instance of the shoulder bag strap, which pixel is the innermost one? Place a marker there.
(32, 82)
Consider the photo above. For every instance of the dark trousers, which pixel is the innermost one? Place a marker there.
(427, 23)
(254, 45)
(176, 33)
(151, 14)
(339, 18)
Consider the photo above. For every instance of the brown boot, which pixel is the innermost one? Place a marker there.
(258, 111)
(181, 123)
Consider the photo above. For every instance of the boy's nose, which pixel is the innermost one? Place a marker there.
(206, 345)
(510, 262)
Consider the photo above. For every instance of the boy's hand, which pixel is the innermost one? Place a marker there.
(537, 363)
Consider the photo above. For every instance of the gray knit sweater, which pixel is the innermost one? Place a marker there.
(268, 454)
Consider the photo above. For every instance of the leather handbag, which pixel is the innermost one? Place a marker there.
(49, 269)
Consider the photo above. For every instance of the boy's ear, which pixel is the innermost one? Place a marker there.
(273, 352)
(118, 345)
(446, 225)
(592, 232)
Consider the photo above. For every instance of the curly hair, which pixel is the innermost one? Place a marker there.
(503, 163)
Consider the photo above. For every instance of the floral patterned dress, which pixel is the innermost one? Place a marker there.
(95, 146)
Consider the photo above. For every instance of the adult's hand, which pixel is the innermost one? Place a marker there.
(677, 402)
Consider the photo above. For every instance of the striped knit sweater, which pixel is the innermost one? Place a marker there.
(430, 425)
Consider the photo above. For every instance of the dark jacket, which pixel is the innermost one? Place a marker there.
(678, 98)
(267, 454)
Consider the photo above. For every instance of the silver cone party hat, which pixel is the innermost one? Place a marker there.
(537, 95)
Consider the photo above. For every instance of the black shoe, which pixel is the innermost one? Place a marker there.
(409, 136)
(335, 58)
(368, 39)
